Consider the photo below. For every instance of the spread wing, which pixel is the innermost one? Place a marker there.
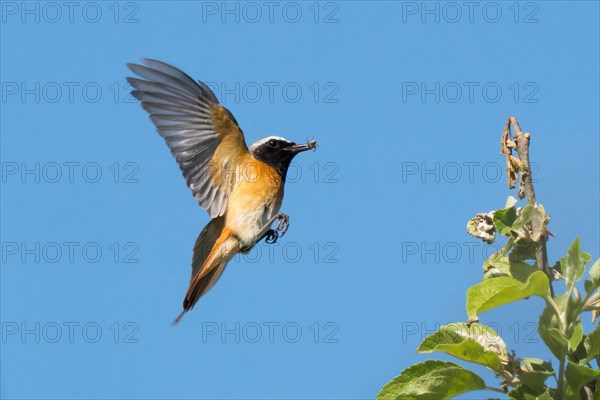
(203, 136)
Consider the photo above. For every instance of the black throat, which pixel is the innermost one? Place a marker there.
(280, 161)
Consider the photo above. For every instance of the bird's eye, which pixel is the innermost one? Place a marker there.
(273, 143)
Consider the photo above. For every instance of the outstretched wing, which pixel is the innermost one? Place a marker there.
(203, 136)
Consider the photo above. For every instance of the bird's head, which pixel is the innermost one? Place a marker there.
(278, 152)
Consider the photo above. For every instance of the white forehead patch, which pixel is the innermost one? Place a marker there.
(262, 141)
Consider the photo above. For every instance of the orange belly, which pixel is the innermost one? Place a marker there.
(255, 199)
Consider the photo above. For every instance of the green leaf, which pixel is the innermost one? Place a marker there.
(594, 284)
(573, 264)
(501, 266)
(549, 330)
(578, 375)
(495, 292)
(523, 218)
(589, 287)
(592, 345)
(431, 380)
(534, 373)
(524, 393)
(470, 342)
(523, 250)
(595, 272)
(576, 337)
(531, 214)
(504, 219)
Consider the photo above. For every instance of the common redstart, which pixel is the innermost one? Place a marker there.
(241, 188)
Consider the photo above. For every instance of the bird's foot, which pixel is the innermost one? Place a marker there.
(271, 236)
(282, 225)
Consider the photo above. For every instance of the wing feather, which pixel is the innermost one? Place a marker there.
(203, 136)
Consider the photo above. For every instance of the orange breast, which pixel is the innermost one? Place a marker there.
(255, 199)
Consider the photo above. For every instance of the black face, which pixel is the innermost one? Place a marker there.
(277, 152)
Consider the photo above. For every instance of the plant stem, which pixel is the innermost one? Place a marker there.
(493, 389)
(522, 147)
(562, 323)
(560, 387)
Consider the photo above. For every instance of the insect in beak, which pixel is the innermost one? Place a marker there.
(297, 148)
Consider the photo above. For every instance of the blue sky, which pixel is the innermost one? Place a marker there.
(407, 101)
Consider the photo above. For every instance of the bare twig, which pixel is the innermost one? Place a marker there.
(521, 165)
(522, 147)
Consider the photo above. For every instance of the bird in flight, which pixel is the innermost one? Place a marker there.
(241, 188)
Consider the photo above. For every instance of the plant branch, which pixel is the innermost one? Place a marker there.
(493, 389)
(522, 147)
(515, 165)
(561, 375)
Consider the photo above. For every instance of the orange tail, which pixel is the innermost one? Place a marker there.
(208, 265)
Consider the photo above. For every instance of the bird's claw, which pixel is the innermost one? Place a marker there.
(271, 236)
(282, 225)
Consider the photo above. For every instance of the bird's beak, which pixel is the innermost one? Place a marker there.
(298, 148)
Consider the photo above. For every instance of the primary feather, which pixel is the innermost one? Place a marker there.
(194, 125)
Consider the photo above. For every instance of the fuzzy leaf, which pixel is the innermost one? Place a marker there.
(431, 380)
(534, 373)
(592, 344)
(504, 219)
(578, 375)
(501, 266)
(523, 250)
(474, 343)
(595, 275)
(573, 264)
(589, 287)
(548, 328)
(495, 292)
(576, 337)
(523, 393)
(523, 218)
